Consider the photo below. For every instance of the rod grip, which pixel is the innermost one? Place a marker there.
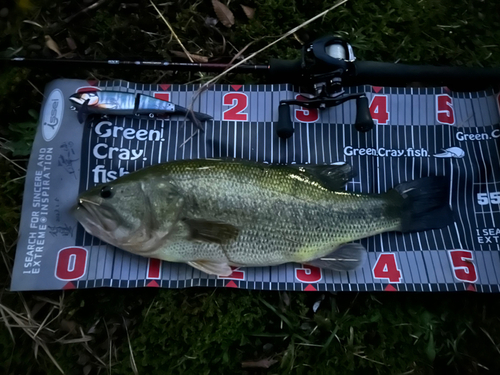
(364, 121)
(285, 126)
(285, 71)
(388, 74)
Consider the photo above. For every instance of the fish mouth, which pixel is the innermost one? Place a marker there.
(95, 218)
(86, 216)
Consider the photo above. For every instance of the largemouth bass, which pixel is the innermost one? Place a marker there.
(214, 214)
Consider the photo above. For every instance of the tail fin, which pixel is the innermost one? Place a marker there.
(423, 203)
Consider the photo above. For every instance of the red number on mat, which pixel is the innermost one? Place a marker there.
(445, 114)
(236, 275)
(239, 101)
(463, 268)
(162, 96)
(71, 263)
(305, 114)
(154, 268)
(308, 274)
(378, 109)
(387, 268)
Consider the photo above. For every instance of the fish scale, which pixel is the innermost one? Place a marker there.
(297, 217)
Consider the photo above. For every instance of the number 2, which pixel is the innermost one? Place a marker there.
(237, 274)
(239, 102)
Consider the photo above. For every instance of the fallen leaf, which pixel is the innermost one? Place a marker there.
(49, 42)
(263, 363)
(250, 12)
(71, 43)
(210, 21)
(87, 369)
(286, 299)
(196, 58)
(68, 326)
(225, 16)
(37, 308)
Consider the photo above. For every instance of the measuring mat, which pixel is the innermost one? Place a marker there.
(418, 132)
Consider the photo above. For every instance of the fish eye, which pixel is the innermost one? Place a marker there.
(106, 192)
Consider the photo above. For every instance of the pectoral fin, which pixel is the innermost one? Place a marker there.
(212, 268)
(211, 231)
(346, 257)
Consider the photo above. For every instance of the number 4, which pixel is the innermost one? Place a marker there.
(387, 268)
(378, 109)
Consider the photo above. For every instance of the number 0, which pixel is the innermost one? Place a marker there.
(71, 263)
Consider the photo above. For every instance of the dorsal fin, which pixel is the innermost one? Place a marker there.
(333, 177)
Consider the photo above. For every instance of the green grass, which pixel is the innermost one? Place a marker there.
(198, 331)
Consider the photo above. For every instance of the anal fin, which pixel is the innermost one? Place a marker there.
(346, 257)
(212, 268)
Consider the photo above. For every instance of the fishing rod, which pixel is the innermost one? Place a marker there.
(326, 66)
(132, 65)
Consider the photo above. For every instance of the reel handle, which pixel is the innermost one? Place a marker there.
(285, 126)
(364, 121)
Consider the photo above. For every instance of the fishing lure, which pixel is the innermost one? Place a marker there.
(117, 103)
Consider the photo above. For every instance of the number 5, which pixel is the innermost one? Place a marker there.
(463, 268)
(495, 198)
(482, 199)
